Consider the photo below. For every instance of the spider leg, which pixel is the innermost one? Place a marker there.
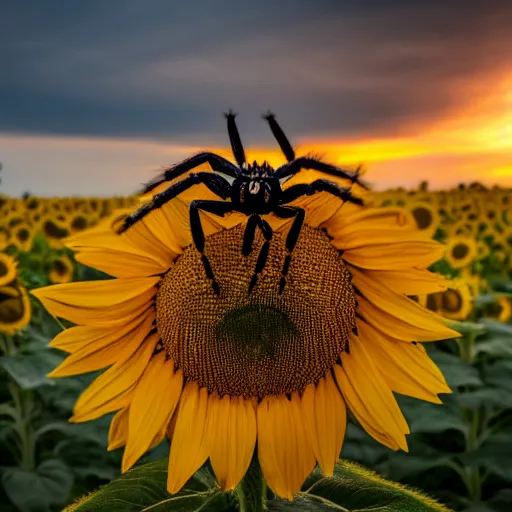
(303, 189)
(234, 138)
(281, 138)
(219, 208)
(216, 162)
(217, 184)
(291, 238)
(304, 162)
(253, 222)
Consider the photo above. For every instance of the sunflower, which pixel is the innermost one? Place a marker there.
(8, 270)
(61, 270)
(456, 302)
(21, 237)
(460, 251)
(15, 309)
(505, 305)
(224, 376)
(426, 216)
(5, 237)
(54, 230)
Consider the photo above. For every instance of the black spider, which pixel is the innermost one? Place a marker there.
(255, 190)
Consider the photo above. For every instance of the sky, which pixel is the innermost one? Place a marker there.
(97, 97)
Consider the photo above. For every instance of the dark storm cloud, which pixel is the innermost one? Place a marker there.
(159, 69)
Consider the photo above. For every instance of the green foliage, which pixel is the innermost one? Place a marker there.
(351, 488)
(46, 461)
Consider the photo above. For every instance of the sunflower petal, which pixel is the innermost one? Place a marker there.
(114, 386)
(392, 254)
(325, 420)
(368, 396)
(400, 306)
(232, 423)
(285, 454)
(190, 442)
(409, 281)
(155, 398)
(107, 350)
(118, 432)
(406, 367)
(103, 302)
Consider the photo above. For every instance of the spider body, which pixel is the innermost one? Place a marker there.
(251, 189)
(256, 190)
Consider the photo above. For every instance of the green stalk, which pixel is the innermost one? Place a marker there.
(251, 493)
(22, 404)
(473, 480)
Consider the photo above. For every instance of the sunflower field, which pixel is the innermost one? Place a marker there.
(59, 444)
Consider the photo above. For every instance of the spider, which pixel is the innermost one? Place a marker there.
(253, 190)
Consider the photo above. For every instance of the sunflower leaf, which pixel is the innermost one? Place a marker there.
(30, 370)
(37, 491)
(145, 488)
(353, 487)
(456, 371)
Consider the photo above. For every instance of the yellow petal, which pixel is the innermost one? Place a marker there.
(114, 385)
(107, 349)
(147, 236)
(325, 419)
(190, 444)
(76, 338)
(104, 302)
(406, 367)
(368, 396)
(399, 305)
(392, 253)
(232, 425)
(155, 398)
(121, 258)
(284, 452)
(409, 281)
(118, 432)
(363, 221)
(400, 328)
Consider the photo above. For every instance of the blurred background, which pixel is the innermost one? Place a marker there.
(96, 98)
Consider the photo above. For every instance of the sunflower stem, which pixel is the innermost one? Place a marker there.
(252, 490)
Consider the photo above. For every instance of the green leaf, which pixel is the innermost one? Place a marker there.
(499, 375)
(145, 488)
(495, 345)
(495, 455)
(355, 488)
(456, 371)
(37, 491)
(494, 397)
(494, 327)
(425, 417)
(29, 371)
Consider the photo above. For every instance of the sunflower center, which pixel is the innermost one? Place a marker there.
(460, 251)
(11, 305)
(262, 343)
(423, 217)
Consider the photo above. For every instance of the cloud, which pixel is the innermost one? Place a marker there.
(158, 70)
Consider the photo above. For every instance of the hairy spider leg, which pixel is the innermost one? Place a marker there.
(291, 238)
(250, 230)
(304, 162)
(219, 208)
(303, 189)
(217, 184)
(234, 138)
(281, 138)
(216, 162)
